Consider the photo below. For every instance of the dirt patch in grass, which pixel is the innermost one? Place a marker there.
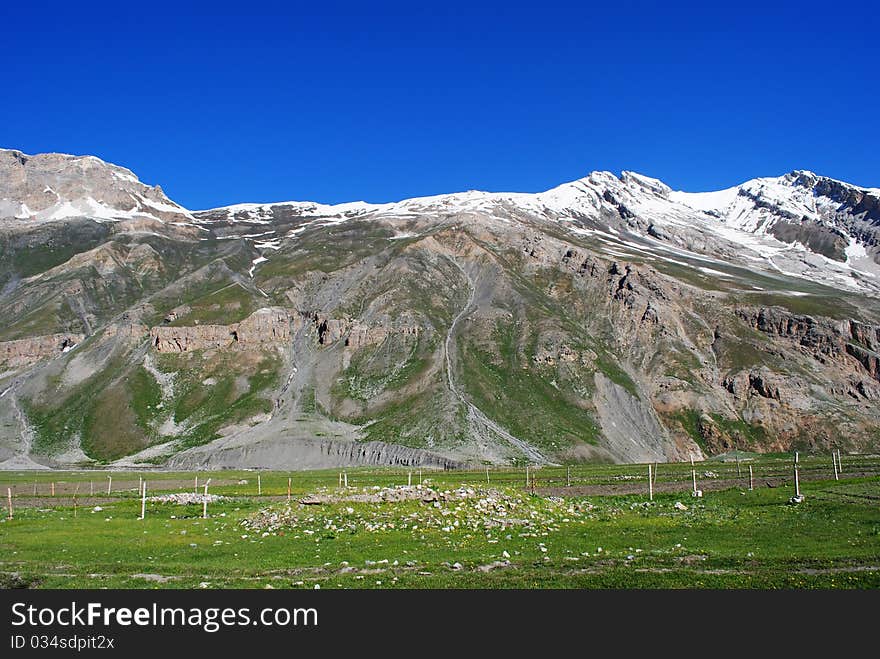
(61, 501)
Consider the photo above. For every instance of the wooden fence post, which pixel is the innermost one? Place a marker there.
(9, 500)
(650, 484)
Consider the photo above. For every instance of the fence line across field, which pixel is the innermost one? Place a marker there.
(816, 467)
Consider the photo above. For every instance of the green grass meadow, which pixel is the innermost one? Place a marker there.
(543, 538)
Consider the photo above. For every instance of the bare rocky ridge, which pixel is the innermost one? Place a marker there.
(823, 340)
(610, 318)
(52, 186)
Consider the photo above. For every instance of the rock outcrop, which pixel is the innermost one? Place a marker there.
(756, 382)
(50, 186)
(364, 335)
(554, 352)
(25, 352)
(330, 330)
(263, 328)
(867, 335)
(869, 360)
(358, 333)
(823, 339)
(126, 330)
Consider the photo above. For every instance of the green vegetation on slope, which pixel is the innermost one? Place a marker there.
(146, 397)
(217, 391)
(690, 422)
(746, 435)
(385, 366)
(521, 400)
(60, 415)
(223, 306)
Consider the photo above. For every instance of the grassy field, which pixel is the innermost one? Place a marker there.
(588, 526)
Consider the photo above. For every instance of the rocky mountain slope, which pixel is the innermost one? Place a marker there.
(608, 319)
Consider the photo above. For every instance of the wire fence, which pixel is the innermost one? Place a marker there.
(59, 489)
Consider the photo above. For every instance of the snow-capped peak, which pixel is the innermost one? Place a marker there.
(645, 182)
(56, 186)
(800, 223)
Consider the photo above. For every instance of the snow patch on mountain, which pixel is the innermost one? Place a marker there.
(257, 261)
(855, 251)
(706, 201)
(790, 224)
(733, 225)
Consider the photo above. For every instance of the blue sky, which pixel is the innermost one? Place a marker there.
(379, 101)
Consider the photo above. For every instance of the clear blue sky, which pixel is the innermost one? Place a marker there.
(334, 102)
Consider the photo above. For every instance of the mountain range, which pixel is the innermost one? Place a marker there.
(607, 319)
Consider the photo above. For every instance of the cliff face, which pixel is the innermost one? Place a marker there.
(823, 340)
(359, 333)
(265, 327)
(362, 335)
(25, 352)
